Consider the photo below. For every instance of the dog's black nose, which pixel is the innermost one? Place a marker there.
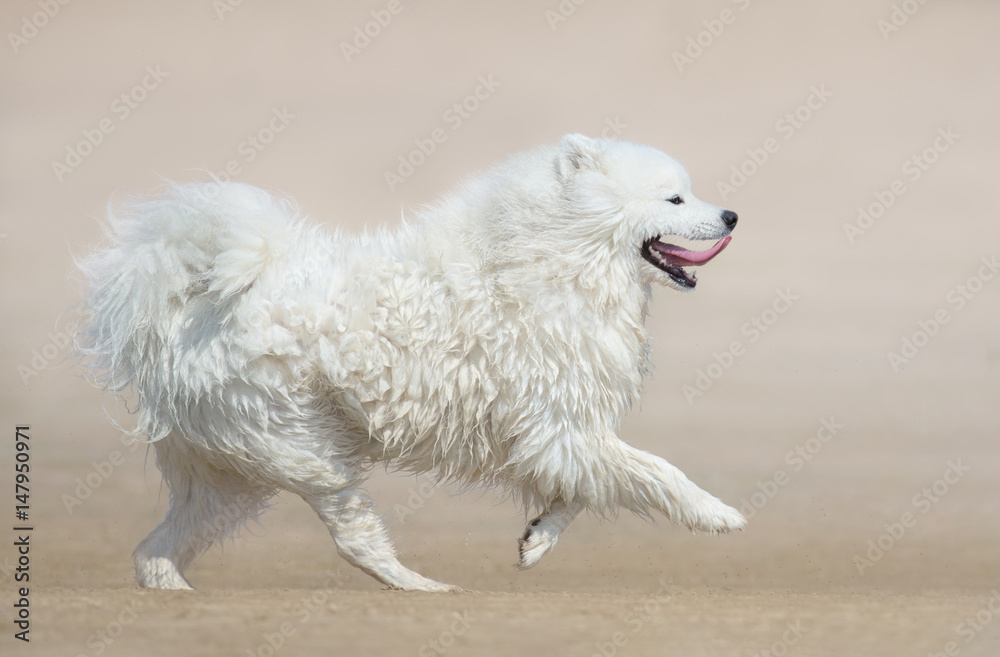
(729, 218)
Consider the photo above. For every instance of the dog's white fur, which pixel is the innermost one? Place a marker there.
(497, 339)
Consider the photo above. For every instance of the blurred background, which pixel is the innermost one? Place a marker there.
(835, 370)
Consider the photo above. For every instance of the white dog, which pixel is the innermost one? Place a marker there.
(497, 339)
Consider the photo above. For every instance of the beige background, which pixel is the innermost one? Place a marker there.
(627, 588)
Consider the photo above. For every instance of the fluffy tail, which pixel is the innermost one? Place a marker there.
(195, 241)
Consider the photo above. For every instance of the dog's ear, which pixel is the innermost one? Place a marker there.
(577, 152)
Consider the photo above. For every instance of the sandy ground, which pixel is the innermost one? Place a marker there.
(880, 539)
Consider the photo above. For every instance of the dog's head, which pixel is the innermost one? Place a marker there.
(648, 194)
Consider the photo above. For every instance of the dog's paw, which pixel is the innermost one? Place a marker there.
(440, 587)
(537, 541)
(430, 587)
(160, 573)
(415, 582)
(719, 518)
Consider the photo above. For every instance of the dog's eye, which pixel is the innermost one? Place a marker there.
(676, 200)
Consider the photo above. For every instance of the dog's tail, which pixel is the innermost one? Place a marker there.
(195, 241)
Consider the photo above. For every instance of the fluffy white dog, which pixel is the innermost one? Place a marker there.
(497, 339)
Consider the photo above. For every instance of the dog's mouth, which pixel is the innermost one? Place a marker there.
(672, 259)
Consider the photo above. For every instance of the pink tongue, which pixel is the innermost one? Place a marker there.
(675, 255)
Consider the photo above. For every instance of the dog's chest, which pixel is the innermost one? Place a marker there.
(446, 374)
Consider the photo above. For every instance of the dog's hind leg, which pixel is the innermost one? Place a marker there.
(362, 540)
(542, 533)
(332, 490)
(203, 510)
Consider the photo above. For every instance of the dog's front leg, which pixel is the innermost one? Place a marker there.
(542, 533)
(645, 482)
